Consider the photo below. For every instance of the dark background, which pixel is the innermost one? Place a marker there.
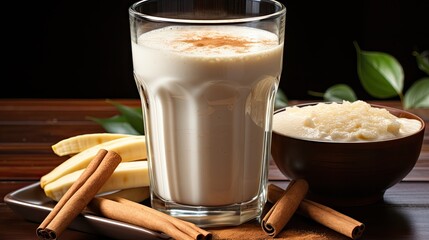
(81, 49)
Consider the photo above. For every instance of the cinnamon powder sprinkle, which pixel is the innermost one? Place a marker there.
(219, 41)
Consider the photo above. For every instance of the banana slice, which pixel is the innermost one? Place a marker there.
(79, 143)
(129, 148)
(126, 175)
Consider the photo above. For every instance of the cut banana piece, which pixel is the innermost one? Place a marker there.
(133, 194)
(79, 143)
(129, 148)
(126, 175)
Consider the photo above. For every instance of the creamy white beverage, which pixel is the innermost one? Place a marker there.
(345, 122)
(208, 92)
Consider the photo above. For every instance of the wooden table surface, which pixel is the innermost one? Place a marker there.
(28, 128)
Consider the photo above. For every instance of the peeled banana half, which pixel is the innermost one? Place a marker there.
(133, 194)
(79, 143)
(126, 175)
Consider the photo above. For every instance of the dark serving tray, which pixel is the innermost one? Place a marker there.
(32, 203)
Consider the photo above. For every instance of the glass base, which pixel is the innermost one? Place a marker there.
(230, 215)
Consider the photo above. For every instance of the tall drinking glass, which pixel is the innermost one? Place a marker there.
(207, 73)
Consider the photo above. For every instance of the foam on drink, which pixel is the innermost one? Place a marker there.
(208, 90)
(209, 42)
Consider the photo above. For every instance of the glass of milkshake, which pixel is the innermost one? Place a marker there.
(207, 73)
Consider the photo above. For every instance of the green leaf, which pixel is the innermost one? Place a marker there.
(417, 95)
(115, 124)
(340, 92)
(134, 116)
(281, 99)
(422, 61)
(381, 74)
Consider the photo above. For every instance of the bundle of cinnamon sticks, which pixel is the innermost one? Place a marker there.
(79, 194)
(82, 193)
(287, 202)
(131, 212)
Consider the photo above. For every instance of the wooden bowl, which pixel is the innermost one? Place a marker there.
(348, 173)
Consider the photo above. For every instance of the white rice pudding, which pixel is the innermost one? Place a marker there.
(346, 121)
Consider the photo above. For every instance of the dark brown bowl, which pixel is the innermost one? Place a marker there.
(348, 173)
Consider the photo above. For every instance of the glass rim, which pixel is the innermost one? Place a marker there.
(135, 14)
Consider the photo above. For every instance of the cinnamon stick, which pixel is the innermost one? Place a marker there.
(322, 214)
(188, 227)
(79, 194)
(279, 215)
(134, 213)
